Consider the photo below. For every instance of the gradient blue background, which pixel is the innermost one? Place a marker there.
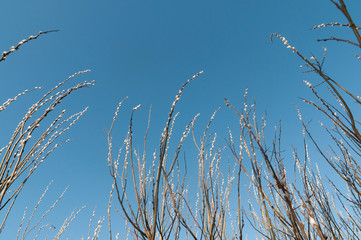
(146, 50)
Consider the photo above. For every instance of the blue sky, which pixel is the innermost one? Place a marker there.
(146, 50)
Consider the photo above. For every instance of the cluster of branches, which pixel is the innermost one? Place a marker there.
(36, 136)
(154, 196)
(158, 207)
(282, 206)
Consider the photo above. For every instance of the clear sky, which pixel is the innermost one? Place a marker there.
(146, 50)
